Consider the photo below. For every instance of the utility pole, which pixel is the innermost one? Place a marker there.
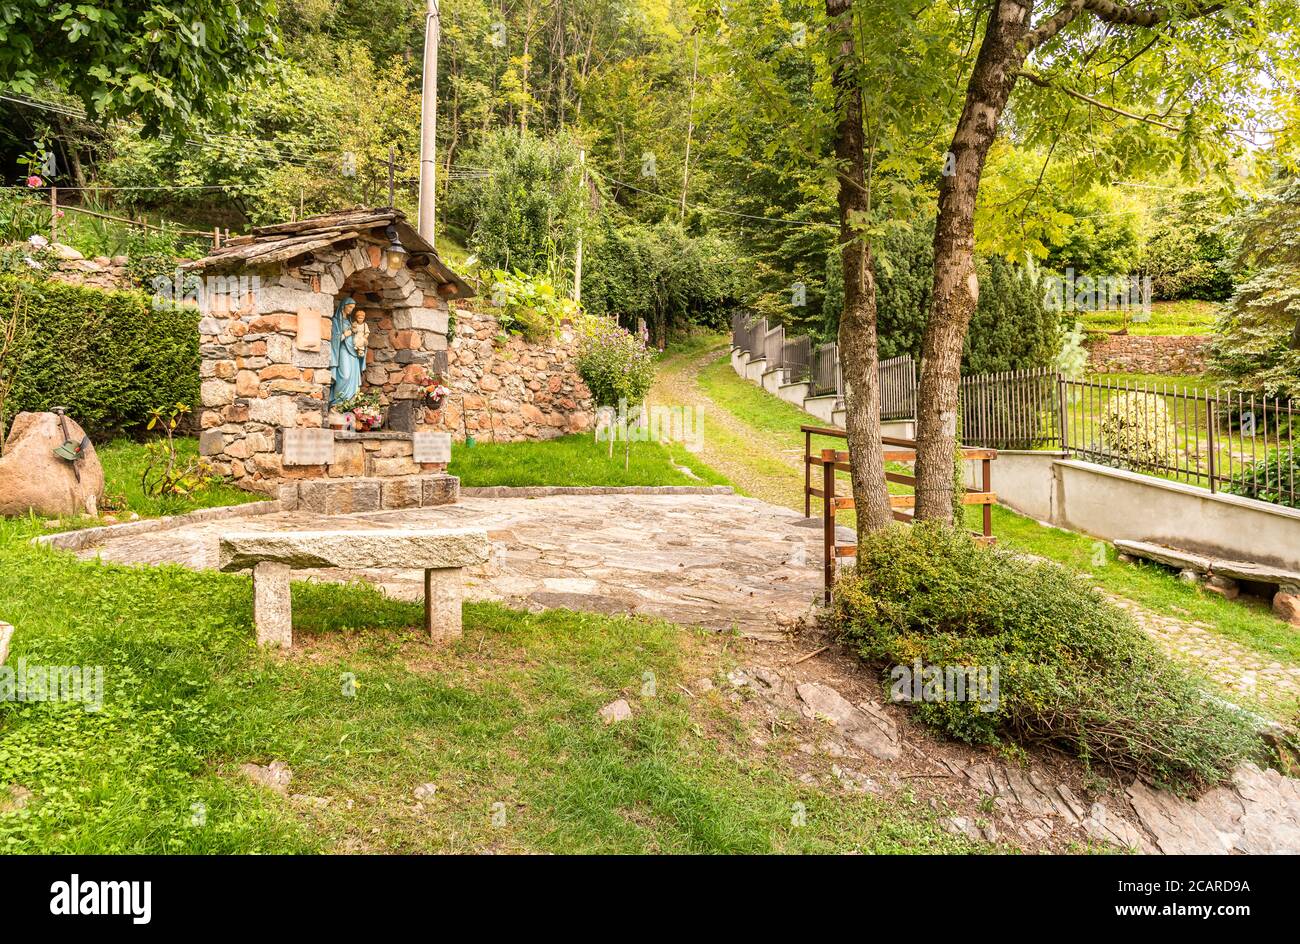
(392, 168)
(577, 257)
(429, 122)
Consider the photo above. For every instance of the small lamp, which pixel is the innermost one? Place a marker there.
(395, 254)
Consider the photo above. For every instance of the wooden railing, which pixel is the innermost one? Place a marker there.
(896, 450)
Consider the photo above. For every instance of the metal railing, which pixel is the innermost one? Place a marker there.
(826, 374)
(1241, 443)
(774, 347)
(897, 388)
(797, 358)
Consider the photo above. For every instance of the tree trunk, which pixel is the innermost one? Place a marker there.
(857, 334)
(956, 287)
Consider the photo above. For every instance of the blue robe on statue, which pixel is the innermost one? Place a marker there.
(345, 362)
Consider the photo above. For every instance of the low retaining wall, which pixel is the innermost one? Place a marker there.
(1116, 504)
(1148, 354)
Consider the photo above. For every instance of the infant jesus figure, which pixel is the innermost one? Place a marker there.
(359, 332)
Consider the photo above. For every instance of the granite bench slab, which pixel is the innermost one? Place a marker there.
(272, 556)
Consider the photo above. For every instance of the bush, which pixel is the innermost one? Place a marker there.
(1074, 672)
(529, 305)
(1137, 427)
(1274, 478)
(614, 364)
(109, 357)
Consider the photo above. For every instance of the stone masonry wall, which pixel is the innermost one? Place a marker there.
(1149, 354)
(511, 390)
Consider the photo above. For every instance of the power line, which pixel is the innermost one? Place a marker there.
(704, 209)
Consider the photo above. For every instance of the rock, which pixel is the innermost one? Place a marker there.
(33, 479)
(1188, 575)
(738, 677)
(6, 634)
(869, 728)
(616, 711)
(1286, 604)
(357, 550)
(703, 685)
(275, 775)
(1104, 826)
(65, 252)
(14, 798)
(426, 791)
(963, 826)
(1226, 587)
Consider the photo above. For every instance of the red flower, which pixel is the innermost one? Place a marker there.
(35, 181)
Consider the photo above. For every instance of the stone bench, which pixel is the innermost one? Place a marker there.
(272, 555)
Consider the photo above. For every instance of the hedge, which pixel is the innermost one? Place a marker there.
(109, 357)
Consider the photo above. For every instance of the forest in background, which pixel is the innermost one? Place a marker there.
(704, 186)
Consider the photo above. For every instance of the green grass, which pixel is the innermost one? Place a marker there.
(124, 462)
(577, 460)
(1166, 318)
(504, 722)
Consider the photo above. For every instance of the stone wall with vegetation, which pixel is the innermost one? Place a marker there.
(507, 388)
(1148, 354)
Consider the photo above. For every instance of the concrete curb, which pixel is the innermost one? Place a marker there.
(88, 537)
(547, 491)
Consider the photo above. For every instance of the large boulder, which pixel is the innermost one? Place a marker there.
(33, 478)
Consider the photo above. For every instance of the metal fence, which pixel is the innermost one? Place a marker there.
(1245, 444)
(826, 374)
(797, 358)
(897, 388)
(774, 348)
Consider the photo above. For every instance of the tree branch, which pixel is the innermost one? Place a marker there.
(1109, 12)
(1096, 103)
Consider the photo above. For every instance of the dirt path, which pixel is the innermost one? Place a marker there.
(756, 466)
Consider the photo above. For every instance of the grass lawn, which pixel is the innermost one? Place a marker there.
(577, 460)
(504, 723)
(124, 462)
(1166, 318)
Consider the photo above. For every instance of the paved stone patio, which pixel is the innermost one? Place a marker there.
(719, 561)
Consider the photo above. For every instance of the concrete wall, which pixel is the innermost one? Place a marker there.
(1116, 504)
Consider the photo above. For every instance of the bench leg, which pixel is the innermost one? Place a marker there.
(442, 598)
(272, 609)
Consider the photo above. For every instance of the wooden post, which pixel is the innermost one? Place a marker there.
(807, 475)
(987, 486)
(54, 214)
(828, 518)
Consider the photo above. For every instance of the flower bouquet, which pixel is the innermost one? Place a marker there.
(367, 410)
(435, 393)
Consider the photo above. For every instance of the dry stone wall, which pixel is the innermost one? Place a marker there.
(1149, 354)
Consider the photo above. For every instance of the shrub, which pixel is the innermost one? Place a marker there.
(1074, 672)
(1273, 478)
(529, 305)
(614, 364)
(1136, 426)
(109, 357)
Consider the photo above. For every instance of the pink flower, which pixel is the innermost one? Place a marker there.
(35, 181)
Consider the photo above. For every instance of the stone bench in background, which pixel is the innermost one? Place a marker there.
(271, 555)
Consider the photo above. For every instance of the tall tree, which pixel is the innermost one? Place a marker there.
(1183, 92)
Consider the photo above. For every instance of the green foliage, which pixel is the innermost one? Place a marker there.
(1102, 239)
(529, 305)
(527, 215)
(1011, 329)
(109, 357)
(1271, 478)
(23, 213)
(614, 364)
(662, 274)
(1188, 254)
(1074, 671)
(160, 61)
(1257, 339)
(167, 473)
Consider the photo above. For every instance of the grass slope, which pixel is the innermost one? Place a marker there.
(577, 460)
